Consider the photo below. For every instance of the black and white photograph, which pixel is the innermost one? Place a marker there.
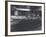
(25, 18)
